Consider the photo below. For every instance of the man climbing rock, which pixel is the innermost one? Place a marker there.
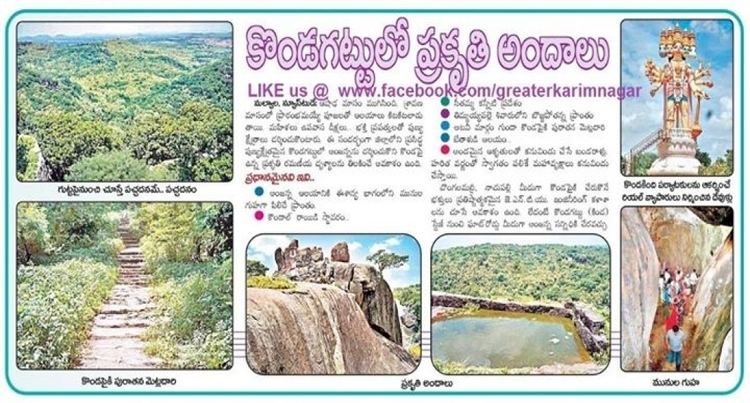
(675, 338)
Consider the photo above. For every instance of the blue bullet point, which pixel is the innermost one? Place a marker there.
(259, 191)
(445, 125)
(445, 137)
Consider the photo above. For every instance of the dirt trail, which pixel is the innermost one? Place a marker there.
(658, 334)
(115, 340)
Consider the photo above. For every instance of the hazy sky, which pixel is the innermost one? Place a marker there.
(642, 116)
(449, 241)
(28, 29)
(262, 249)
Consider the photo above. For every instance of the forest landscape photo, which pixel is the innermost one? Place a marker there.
(124, 101)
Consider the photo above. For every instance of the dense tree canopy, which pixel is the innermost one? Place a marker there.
(553, 273)
(165, 101)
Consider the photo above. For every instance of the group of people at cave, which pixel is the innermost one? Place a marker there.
(676, 288)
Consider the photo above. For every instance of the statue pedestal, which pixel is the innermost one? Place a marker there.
(676, 155)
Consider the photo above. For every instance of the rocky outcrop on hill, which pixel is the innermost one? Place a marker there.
(316, 329)
(366, 284)
(640, 289)
(340, 252)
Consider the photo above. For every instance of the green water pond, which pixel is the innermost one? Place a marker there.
(497, 339)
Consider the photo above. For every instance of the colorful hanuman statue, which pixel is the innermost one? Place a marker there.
(679, 81)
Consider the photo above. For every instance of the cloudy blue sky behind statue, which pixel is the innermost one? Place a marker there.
(642, 116)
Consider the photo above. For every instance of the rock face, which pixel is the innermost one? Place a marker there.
(340, 252)
(683, 239)
(726, 361)
(689, 238)
(712, 310)
(639, 289)
(316, 329)
(715, 215)
(366, 284)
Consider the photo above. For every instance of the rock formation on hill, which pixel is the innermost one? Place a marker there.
(363, 281)
(341, 318)
(316, 329)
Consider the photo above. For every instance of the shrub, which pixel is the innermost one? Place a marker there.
(109, 166)
(198, 305)
(169, 232)
(273, 283)
(182, 232)
(104, 252)
(415, 350)
(55, 307)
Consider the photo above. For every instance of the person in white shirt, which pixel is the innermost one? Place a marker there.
(674, 340)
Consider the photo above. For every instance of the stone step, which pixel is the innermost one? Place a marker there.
(134, 280)
(131, 258)
(132, 266)
(119, 321)
(134, 276)
(116, 332)
(118, 308)
(117, 359)
(130, 262)
(130, 280)
(131, 252)
(130, 343)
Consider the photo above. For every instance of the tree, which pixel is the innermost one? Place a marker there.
(109, 167)
(721, 167)
(703, 157)
(26, 157)
(387, 260)
(255, 268)
(65, 139)
(218, 218)
(32, 232)
(642, 163)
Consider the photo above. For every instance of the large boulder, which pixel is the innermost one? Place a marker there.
(639, 288)
(373, 295)
(712, 310)
(682, 238)
(340, 252)
(366, 284)
(316, 329)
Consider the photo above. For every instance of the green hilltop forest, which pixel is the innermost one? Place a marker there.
(525, 273)
(138, 108)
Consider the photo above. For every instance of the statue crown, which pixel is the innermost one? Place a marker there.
(671, 37)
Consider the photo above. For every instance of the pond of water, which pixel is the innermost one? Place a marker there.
(497, 339)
